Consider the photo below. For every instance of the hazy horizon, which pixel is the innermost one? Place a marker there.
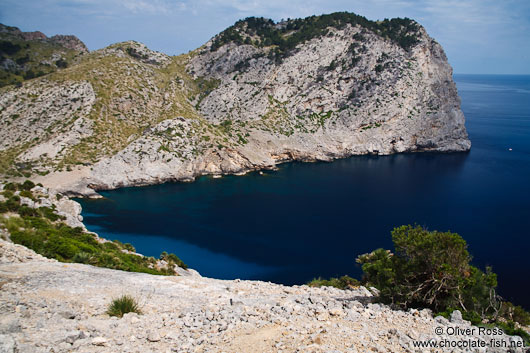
(478, 36)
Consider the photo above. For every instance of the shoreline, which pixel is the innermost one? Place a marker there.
(77, 186)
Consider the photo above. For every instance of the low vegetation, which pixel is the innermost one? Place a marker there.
(43, 230)
(285, 36)
(26, 59)
(431, 269)
(344, 282)
(123, 305)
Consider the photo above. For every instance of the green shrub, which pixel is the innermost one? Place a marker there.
(12, 204)
(26, 211)
(26, 193)
(61, 63)
(60, 247)
(59, 241)
(431, 269)
(511, 312)
(111, 246)
(510, 329)
(10, 187)
(42, 231)
(9, 48)
(8, 194)
(129, 247)
(471, 316)
(173, 259)
(50, 214)
(82, 258)
(27, 185)
(344, 282)
(123, 305)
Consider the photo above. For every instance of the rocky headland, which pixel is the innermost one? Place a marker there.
(258, 94)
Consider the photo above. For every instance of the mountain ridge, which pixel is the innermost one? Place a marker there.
(26, 55)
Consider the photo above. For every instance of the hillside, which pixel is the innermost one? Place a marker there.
(26, 55)
(258, 94)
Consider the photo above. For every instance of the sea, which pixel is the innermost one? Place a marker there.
(309, 220)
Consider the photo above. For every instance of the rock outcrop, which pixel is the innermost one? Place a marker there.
(70, 42)
(66, 41)
(256, 95)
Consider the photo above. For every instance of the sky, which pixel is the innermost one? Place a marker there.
(479, 36)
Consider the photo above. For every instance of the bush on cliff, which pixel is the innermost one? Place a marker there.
(264, 32)
(431, 269)
(173, 259)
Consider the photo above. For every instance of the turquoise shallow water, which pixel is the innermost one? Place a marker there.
(313, 219)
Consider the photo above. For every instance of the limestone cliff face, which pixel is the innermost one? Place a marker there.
(255, 95)
(365, 93)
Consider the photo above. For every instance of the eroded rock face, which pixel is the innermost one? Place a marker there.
(389, 100)
(48, 118)
(70, 42)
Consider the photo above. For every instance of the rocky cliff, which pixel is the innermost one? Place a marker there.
(258, 94)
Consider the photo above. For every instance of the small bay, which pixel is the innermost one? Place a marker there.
(313, 219)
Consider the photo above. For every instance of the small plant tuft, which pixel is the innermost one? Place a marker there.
(123, 305)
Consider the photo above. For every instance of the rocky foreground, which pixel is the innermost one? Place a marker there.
(48, 306)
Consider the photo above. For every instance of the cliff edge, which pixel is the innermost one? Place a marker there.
(51, 306)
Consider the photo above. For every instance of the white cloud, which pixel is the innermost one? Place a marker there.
(162, 7)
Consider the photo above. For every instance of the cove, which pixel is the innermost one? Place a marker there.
(313, 219)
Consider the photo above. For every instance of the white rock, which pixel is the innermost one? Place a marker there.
(99, 341)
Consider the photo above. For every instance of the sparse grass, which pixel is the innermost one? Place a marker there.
(123, 305)
(7, 160)
(344, 282)
(115, 78)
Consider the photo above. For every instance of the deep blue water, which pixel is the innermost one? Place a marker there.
(313, 219)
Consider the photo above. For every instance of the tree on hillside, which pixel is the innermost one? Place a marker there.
(430, 269)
